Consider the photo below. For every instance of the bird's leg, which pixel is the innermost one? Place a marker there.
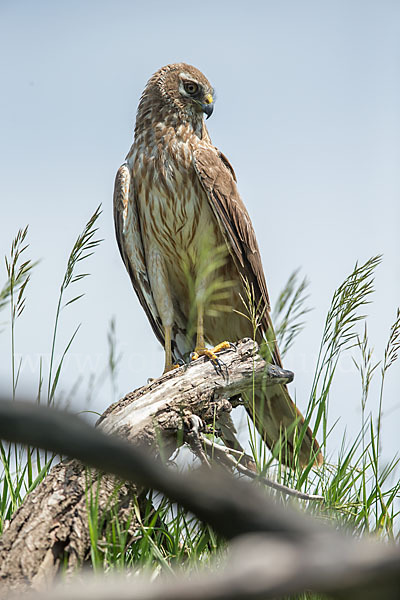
(158, 276)
(201, 349)
(169, 365)
(167, 347)
(200, 344)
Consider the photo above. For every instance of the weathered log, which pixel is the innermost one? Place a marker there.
(51, 526)
(52, 523)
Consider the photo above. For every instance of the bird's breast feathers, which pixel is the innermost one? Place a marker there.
(173, 207)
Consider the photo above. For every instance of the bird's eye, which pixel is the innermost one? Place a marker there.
(190, 87)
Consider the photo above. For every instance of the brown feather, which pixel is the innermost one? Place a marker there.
(273, 412)
(182, 196)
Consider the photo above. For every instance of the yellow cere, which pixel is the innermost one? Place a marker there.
(208, 99)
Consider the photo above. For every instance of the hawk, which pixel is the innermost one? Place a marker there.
(183, 230)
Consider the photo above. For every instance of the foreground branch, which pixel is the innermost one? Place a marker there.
(262, 566)
(283, 552)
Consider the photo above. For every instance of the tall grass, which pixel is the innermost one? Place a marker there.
(23, 468)
(82, 249)
(359, 490)
(13, 292)
(340, 334)
(288, 315)
(17, 465)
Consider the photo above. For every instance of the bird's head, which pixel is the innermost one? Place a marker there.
(184, 88)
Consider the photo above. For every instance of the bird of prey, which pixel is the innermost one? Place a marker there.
(183, 230)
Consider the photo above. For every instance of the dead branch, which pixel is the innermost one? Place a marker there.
(51, 525)
(225, 454)
(286, 552)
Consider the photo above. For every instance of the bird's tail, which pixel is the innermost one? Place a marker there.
(282, 426)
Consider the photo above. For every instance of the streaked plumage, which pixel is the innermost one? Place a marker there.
(176, 195)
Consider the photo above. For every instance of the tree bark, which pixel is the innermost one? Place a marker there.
(50, 530)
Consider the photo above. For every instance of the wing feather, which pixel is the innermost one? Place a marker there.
(273, 411)
(129, 238)
(219, 182)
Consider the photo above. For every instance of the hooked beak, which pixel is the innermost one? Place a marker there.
(208, 105)
(208, 110)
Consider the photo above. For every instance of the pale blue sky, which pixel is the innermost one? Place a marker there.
(308, 112)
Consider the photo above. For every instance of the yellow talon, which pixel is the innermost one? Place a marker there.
(221, 346)
(201, 349)
(211, 353)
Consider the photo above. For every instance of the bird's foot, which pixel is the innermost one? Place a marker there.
(171, 367)
(211, 353)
